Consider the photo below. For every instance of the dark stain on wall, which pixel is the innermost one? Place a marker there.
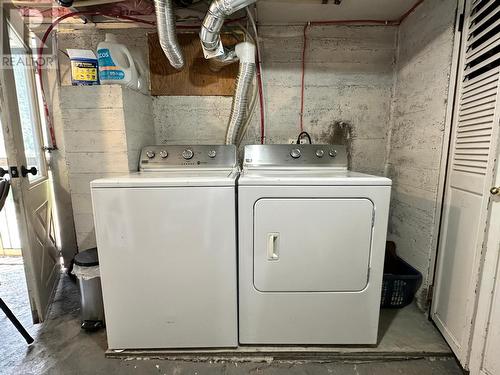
(339, 133)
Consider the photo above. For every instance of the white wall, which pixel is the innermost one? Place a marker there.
(425, 42)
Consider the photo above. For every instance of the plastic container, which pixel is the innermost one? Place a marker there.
(86, 269)
(400, 282)
(117, 66)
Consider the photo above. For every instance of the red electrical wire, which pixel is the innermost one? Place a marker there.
(304, 47)
(410, 11)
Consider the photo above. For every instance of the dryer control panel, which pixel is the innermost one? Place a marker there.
(167, 157)
(301, 156)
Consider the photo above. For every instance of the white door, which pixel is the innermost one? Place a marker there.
(473, 154)
(486, 339)
(32, 192)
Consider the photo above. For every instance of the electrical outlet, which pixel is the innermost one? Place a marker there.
(303, 140)
(293, 141)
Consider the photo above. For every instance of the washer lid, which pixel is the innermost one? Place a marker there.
(311, 177)
(186, 178)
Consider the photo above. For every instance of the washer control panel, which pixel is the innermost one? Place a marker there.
(295, 156)
(165, 157)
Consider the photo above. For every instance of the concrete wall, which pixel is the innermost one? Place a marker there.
(349, 79)
(425, 43)
(104, 129)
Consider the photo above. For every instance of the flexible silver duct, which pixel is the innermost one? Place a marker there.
(246, 52)
(212, 24)
(240, 101)
(165, 21)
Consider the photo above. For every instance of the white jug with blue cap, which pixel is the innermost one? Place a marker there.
(117, 65)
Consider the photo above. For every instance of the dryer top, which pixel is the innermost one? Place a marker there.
(297, 157)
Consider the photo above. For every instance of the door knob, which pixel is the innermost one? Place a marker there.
(25, 171)
(495, 190)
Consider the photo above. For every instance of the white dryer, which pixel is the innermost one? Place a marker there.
(311, 247)
(166, 238)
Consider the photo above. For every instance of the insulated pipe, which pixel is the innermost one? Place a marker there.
(165, 21)
(212, 24)
(246, 53)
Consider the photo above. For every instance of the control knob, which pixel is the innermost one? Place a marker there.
(212, 154)
(332, 153)
(295, 153)
(320, 153)
(163, 153)
(187, 153)
(150, 154)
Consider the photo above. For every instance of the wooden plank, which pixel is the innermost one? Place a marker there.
(196, 79)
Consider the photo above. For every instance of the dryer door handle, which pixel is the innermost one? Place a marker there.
(273, 240)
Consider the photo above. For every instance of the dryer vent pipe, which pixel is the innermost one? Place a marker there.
(246, 53)
(165, 20)
(212, 25)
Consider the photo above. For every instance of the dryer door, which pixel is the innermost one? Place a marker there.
(312, 244)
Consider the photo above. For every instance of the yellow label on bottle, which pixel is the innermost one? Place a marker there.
(84, 73)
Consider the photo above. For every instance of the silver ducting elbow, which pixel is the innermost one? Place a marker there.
(246, 53)
(165, 21)
(213, 22)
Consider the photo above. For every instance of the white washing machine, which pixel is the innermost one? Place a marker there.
(166, 238)
(311, 247)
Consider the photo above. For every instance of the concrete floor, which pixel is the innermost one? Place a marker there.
(62, 348)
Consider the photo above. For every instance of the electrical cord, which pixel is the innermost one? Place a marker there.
(304, 134)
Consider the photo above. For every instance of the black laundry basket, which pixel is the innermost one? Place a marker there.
(400, 281)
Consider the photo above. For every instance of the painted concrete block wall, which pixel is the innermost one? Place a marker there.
(104, 129)
(349, 80)
(424, 56)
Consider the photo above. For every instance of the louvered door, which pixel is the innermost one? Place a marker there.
(473, 154)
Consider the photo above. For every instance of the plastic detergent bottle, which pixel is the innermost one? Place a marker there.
(116, 64)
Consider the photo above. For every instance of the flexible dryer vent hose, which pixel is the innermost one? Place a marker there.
(165, 21)
(246, 54)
